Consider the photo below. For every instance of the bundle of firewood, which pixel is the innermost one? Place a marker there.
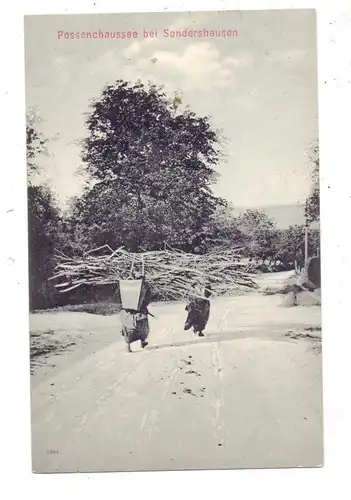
(169, 273)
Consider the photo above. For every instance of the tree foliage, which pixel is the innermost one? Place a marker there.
(260, 234)
(35, 142)
(43, 223)
(153, 168)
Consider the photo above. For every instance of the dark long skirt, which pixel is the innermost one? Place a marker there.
(198, 315)
(135, 328)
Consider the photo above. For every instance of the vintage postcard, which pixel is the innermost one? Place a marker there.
(174, 241)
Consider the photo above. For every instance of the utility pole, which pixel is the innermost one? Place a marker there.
(306, 243)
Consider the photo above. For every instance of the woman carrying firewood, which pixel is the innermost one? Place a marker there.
(135, 299)
(198, 309)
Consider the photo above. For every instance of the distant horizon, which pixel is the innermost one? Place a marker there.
(292, 204)
(286, 215)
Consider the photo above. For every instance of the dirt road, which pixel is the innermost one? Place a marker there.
(247, 395)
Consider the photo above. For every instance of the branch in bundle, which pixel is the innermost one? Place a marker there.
(170, 273)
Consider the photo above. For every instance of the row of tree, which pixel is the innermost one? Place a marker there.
(263, 242)
(150, 168)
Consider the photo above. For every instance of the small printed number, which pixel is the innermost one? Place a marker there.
(52, 452)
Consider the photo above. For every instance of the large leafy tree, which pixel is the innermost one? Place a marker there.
(291, 244)
(225, 232)
(290, 247)
(153, 167)
(43, 221)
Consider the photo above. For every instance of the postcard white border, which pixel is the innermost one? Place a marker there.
(334, 40)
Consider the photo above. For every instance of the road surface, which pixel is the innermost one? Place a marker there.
(247, 395)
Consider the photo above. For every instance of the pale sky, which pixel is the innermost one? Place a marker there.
(260, 87)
